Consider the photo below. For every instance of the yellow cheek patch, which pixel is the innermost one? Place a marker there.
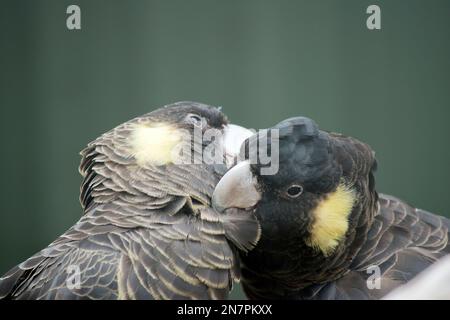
(331, 219)
(153, 144)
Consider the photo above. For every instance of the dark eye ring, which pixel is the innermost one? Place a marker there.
(195, 120)
(294, 191)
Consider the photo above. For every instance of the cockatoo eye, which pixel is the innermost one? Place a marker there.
(196, 120)
(294, 191)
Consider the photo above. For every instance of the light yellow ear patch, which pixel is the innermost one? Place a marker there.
(153, 144)
(331, 219)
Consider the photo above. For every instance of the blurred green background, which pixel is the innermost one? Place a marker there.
(263, 61)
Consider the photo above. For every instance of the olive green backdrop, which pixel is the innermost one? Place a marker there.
(263, 61)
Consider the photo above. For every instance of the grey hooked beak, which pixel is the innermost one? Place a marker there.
(236, 189)
(233, 138)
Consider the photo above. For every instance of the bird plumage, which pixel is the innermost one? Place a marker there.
(148, 230)
(325, 231)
